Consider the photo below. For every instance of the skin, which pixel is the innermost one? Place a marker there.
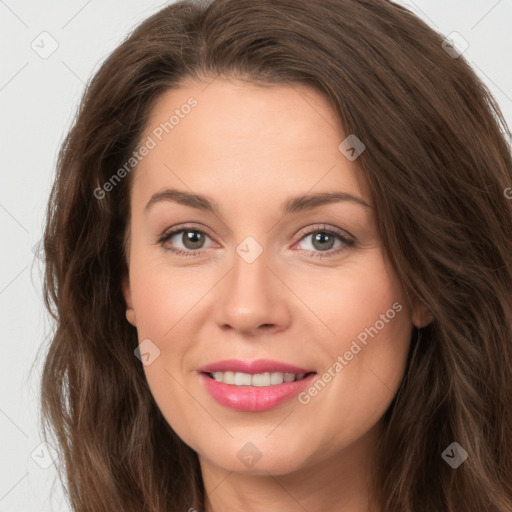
(251, 148)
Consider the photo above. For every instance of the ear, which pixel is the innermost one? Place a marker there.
(127, 293)
(420, 314)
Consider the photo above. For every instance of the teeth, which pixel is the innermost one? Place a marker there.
(229, 377)
(242, 379)
(260, 379)
(289, 377)
(276, 378)
(257, 380)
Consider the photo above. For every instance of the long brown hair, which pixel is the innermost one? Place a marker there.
(438, 166)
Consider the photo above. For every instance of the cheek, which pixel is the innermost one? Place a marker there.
(161, 295)
(368, 345)
(164, 301)
(352, 300)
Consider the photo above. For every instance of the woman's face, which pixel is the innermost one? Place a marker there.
(280, 260)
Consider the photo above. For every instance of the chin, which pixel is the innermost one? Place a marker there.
(256, 457)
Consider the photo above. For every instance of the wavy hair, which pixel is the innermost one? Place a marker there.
(438, 165)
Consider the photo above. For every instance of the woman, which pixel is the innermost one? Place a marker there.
(209, 354)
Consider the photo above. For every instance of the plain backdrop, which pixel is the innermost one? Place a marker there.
(39, 94)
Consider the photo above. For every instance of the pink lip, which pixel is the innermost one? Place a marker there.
(252, 398)
(252, 367)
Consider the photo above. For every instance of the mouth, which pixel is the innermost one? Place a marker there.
(254, 386)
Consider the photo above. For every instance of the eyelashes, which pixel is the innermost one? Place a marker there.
(332, 234)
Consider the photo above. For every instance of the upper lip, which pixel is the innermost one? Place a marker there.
(252, 367)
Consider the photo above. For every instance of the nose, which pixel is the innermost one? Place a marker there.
(252, 298)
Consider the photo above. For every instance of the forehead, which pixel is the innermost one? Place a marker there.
(292, 113)
(226, 136)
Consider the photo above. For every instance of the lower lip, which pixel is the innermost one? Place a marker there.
(254, 398)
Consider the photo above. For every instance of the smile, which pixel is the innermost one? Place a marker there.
(254, 386)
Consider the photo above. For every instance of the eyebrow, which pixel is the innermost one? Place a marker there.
(293, 205)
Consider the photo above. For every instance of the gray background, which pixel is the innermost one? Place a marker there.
(38, 99)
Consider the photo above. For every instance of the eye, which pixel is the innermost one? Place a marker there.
(191, 238)
(323, 241)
